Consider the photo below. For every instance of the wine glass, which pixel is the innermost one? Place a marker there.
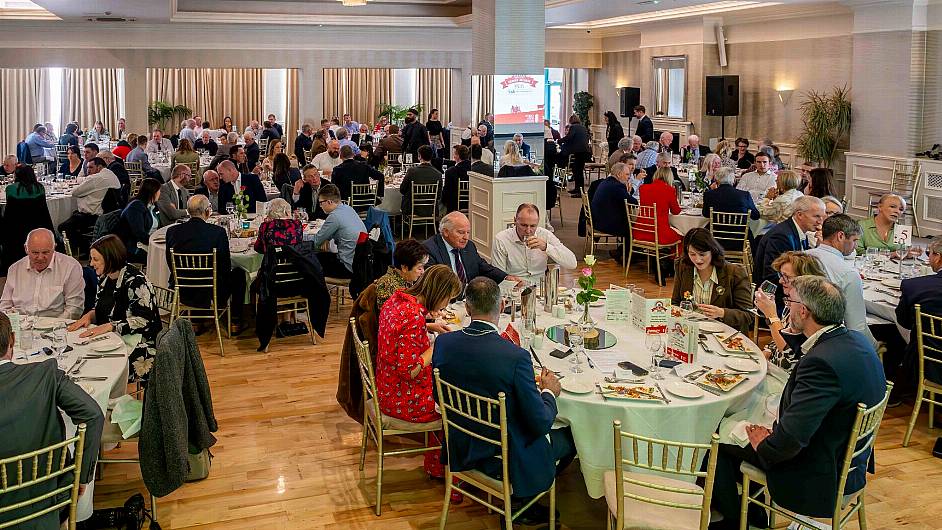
(686, 307)
(575, 342)
(655, 345)
(230, 208)
(59, 342)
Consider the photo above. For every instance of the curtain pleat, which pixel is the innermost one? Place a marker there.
(434, 88)
(357, 91)
(92, 94)
(212, 93)
(567, 95)
(334, 89)
(482, 96)
(292, 116)
(24, 102)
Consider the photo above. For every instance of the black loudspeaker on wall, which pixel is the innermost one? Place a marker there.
(630, 98)
(722, 95)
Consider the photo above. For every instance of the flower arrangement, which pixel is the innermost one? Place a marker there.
(589, 293)
(241, 202)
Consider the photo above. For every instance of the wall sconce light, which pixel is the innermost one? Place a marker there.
(784, 95)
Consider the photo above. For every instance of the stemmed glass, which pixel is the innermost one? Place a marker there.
(230, 208)
(59, 342)
(686, 307)
(655, 345)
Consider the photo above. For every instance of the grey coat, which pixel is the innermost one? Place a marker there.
(178, 411)
(168, 211)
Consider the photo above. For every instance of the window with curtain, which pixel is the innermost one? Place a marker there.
(24, 102)
(356, 91)
(212, 93)
(434, 91)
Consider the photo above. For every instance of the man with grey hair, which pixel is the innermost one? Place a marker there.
(196, 236)
(452, 246)
(525, 248)
(624, 147)
(665, 142)
(839, 236)
(727, 199)
(522, 146)
(188, 131)
(801, 453)
(252, 153)
(344, 138)
(303, 142)
(607, 204)
(479, 360)
(171, 204)
(209, 188)
(791, 234)
(693, 152)
(9, 165)
(44, 283)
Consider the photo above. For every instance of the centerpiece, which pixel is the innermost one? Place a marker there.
(589, 293)
(241, 202)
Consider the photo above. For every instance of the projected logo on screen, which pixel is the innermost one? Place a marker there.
(518, 101)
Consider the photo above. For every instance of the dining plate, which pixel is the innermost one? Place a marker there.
(708, 326)
(109, 344)
(44, 323)
(892, 282)
(684, 390)
(720, 380)
(742, 365)
(577, 385)
(738, 344)
(629, 392)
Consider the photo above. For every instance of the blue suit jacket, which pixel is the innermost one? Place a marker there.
(487, 364)
(726, 198)
(608, 207)
(474, 264)
(927, 292)
(804, 453)
(253, 187)
(782, 238)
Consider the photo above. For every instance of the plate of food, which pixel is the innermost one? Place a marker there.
(893, 283)
(450, 317)
(577, 385)
(733, 342)
(630, 392)
(684, 390)
(721, 379)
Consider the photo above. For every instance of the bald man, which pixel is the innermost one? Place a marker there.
(45, 283)
(693, 152)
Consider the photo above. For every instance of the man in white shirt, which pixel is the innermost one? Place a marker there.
(171, 204)
(839, 236)
(159, 144)
(329, 159)
(45, 283)
(255, 128)
(758, 182)
(89, 196)
(524, 249)
(188, 131)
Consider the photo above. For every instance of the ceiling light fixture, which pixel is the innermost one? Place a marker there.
(666, 14)
(353, 3)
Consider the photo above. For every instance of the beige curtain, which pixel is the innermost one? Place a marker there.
(482, 96)
(24, 102)
(566, 95)
(434, 87)
(212, 93)
(292, 116)
(92, 94)
(357, 91)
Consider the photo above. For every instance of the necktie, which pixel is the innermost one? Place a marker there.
(180, 199)
(459, 267)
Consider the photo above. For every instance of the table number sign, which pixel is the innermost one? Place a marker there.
(617, 303)
(682, 337)
(903, 235)
(650, 314)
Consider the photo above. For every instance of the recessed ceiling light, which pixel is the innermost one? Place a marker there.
(353, 3)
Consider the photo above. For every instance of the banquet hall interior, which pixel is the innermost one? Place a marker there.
(287, 264)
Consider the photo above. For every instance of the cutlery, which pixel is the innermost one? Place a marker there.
(103, 356)
(76, 363)
(78, 366)
(661, 392)
(89, 378)
(697, 373)
(704, 346)
(614, 379)
(95, 339)
(535, 358)
(709, 389)
(739, 356)
(891, 293)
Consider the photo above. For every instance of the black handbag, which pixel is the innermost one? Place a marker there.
(131, 516)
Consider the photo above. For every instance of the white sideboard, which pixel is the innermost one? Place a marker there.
(493, 203)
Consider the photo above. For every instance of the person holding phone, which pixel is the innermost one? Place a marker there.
(720, 290)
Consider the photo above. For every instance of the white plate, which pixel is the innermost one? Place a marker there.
(742, 365)
(577, 385)
(892, 282)
(684, 390)
(44, 323)
(712, 327)
(109, 344)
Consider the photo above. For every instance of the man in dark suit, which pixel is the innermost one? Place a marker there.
(423, 173)
(171, 204)
(927, 292)
(477, 165)
(576, 143)
(33, 395)
(303, 143)
(303, 193)
(803, 452)
(196, 236)
(116, 165)
(452, 247)
(210, 189)
(488, 123)
(609, 214)
(391, 143)
(726, 198)
(232, 179)
(787, 236)
(455, 174)
(478, 360)
(645, 127)
(693, 152)
(352, 171)
(252, 153)
(414, 134)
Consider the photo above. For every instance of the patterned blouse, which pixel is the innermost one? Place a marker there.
(133, 312)
(402, 339)
(388, 284)
(787, 358)
(278, 233)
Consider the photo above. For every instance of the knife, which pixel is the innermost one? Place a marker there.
(709, 389)
(661, 392)
(535, 358)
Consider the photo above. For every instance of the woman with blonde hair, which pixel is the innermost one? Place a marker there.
(725, 151)
(777, 205)
(709, 165)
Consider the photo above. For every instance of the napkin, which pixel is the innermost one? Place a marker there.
(685, 369)
(126, 414)
(738, 434)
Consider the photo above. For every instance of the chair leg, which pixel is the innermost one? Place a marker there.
(628, 260)
(379, 472)
(508, 513)
(363, 440)
(915, 416)
(657, 264)
(744, 504)
(447, 503)
(931, 410)
(153, 507)
(862, 513)
(552, 521)
(222, 352)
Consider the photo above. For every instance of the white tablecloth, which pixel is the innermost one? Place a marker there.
(690, 218)
(60, 208)
(881, 302)
(115, 369)
(590, 415)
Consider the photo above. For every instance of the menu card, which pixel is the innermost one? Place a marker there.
(682, 337)
(617, 303)
(650, 314)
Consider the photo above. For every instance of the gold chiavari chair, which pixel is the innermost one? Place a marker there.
(194, 175)
(650, 498)
(67, 246)
(863, 433)
(731, 231)
(591, 234)
(263, 146)
(642, 220)
(473, 414)
(394, 160)
(197, 273)
(423, 207)
(42, 468)
(377, 425)
(135, 170)
(135, 186)
(165, 302)
(464, 196)
(112, 436)
(561, 176)
(362, 196)
(928, 351)
(289, 279)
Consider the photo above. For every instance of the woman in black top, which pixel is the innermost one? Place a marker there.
(72, 165)
(744, 159)
(613, 131)
(434, 126)
(282, 173)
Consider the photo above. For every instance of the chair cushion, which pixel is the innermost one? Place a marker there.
(646, 516)
(337, 281)
(485, 479)
(396, 424)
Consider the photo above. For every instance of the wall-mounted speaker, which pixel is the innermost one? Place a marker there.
(630, 98)
(722, 95)
(721, 44)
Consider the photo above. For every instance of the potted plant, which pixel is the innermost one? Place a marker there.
(159, 112)
(395, 113)
(582, 103)
(826, 121)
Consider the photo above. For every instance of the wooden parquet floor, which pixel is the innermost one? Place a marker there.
(287, 454)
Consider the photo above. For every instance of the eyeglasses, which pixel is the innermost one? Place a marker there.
(788, 300)
(322, 202)
(742, 145)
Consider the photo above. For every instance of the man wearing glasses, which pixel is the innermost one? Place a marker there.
(343, 226)
(744, 159)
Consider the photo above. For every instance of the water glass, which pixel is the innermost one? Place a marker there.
(59, 341)
(686, 307)
(655, 345)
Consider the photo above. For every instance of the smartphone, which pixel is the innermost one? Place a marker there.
(668, 363)
(768, 288)
(560, 354)
(633, 368)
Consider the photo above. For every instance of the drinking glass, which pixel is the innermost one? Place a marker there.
(59, 342)
(230, 208)
(575, 342)
(686, 307)
(655, 345)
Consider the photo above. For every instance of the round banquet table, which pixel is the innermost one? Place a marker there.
(590, 415)
(114, 369)
(690, 218)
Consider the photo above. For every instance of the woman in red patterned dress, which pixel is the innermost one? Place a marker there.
(403, 371)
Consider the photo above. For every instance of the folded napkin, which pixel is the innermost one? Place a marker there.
(126, 413)
(738, 434)
(685, 369)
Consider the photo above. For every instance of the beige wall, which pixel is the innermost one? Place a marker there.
(618, 69)
(932, 116)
